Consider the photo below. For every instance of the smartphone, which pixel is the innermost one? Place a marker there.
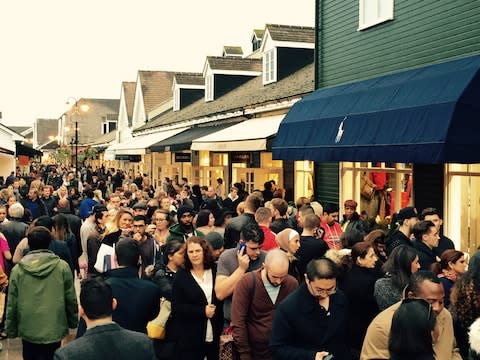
(328, 357)
(243, 248)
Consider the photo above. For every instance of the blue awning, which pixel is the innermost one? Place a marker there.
(425, 115)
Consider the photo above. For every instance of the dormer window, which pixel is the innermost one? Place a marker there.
(209, 88)
(176, 99)
(269, 66)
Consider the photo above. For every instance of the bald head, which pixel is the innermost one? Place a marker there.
(63, 203)
(276, 266)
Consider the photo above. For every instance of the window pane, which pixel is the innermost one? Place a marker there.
(370, 11)
(385, 8)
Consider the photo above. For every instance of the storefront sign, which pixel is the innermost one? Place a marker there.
(183, 157)
(241, 158)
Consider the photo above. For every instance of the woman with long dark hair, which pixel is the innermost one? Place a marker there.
(412, 331)
(197, 313)
(402, 262)
(358, 284)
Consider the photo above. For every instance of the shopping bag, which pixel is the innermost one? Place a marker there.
(105, 258)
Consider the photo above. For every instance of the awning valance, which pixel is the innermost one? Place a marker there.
(249, 135)
(183, 140)
(138, 144)
(22, 149)
(425, 115)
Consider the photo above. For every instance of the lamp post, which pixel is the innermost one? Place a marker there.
(75, 110)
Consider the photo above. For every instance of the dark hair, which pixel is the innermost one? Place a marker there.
(422, 228)
(89, 193)
(330, 208)
(268, 185)
(96, 298)
(428, 211)
(60, 223)
(208, 259)
(127, 252)
(322, 268)
(252, 232)
(399, 265)
(140, 218)
(449, 255)
(45, 221)
(417, 279)
(350, 238)
(202, 217)
(280, 205)
(39, 238)
(170, 248)
(411, 330)
(359, 250)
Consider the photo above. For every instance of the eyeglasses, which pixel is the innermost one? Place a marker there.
(320, 291)
(138, 226)
(161, 219)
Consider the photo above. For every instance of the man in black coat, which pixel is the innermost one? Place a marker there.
(426, 240)
(235, 226)
(312, 321)
(138, 299)
(104, 339)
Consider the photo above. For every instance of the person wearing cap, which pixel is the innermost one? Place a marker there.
(216, 242)
(406, 218)
(87, 204)
(140, 208)
(184, 229)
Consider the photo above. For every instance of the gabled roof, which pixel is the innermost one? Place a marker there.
(129, 93)
(184, 78)
(22, 130)
(252, 93)
(156, 87)
(234, 63)
(258, 33)
(291, 33)
(232, 50)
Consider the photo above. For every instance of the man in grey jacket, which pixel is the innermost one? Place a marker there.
(104, 339)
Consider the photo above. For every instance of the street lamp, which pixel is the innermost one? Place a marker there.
(76, 108)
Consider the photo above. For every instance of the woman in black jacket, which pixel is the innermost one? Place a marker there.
(358, 284)
(197, 313)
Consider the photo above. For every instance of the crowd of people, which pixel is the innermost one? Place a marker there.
(184, 271)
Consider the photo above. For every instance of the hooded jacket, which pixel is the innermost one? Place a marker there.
(42, 303)
(178, 233)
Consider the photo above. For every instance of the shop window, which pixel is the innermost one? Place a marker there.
(462, 209)
(303, 179)
(380, 189)
(268, 162)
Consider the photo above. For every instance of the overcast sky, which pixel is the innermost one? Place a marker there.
(51, 50)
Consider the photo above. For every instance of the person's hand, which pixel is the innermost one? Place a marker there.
(149, 270)
(137, 237)
(321, 355)
(210, 310)
(243, 261)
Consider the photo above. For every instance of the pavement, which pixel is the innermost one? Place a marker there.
(12, 348)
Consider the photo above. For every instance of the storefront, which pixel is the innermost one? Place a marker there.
(406, 131)
(241, 153)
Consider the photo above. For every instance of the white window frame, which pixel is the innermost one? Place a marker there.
(270, 66)
(375, 18)
(176, 100)
(106, 126)
(209, 88)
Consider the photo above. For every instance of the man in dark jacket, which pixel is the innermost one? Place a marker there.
(33, 203)
(138, 299)
(426, 240)
(312, 321)
(104, 339)
(406, 218)
(235, 226)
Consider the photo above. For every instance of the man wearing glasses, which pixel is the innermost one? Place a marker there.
(311, 323)
(422, 285)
